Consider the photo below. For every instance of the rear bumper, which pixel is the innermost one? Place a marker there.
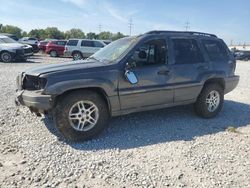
(35, 100)
(231, 83)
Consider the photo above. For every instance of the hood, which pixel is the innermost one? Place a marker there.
(13, 45)
(68, 66)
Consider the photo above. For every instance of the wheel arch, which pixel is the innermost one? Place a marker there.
(100, 91)
(219, 81)
(76, 51)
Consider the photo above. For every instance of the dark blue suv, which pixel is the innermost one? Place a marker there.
(151, 71)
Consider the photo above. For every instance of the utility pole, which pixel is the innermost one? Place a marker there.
(100, 28)
(130, 25)
(187, 25)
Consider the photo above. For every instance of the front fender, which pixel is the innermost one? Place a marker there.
(61, 87)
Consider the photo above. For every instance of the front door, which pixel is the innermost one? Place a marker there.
(149, 64)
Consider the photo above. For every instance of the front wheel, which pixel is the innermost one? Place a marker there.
(210, 101)
(81, 115)
(6, 57)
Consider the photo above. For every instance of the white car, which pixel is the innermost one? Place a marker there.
(31, 41)
(12, 50)
(82, 48)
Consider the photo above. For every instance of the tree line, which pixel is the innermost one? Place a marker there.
(55, 33)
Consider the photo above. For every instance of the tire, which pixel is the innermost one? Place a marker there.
(70, 128)
(246, 59)
(6, 57)
(77, 56)
(53, 53)
(205, 102)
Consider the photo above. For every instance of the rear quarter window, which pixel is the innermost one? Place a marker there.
(216, 50)
(72, 43)
(98, 44)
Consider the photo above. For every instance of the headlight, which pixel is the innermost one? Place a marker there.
(34, 82)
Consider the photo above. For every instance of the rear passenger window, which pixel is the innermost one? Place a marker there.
(72, 42)
(98, 44)
(87, 43)
(186, 51)
(215, 50)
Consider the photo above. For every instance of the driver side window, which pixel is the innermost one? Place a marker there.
(150, 53)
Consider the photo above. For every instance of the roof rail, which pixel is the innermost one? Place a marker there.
(182, 32)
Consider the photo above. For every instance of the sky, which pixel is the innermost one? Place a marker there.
(228, 19)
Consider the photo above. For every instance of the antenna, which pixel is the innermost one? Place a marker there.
(130, 25)
(100, 28)
(187, 25)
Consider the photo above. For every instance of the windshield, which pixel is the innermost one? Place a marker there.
(7, 40)
(114, 50)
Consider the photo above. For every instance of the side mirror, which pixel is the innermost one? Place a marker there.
(130, 76)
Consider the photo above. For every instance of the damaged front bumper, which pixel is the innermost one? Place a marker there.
(34, 100)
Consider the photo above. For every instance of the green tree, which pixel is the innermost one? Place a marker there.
(117, 36)
(37, 33)
(54, 33)
(92, 35)
(105, 35)
(75, 33)
(11, 29)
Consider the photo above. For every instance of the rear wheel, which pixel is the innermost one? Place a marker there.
(6, 57)
(53, 53)
(210, 101)
(81, 115)
(77, 56)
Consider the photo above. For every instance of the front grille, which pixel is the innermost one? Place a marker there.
(20, 52)
(28, 50)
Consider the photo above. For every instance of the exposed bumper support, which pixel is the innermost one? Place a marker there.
(35, 100)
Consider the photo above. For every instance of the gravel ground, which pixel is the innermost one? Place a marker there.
(170, 147)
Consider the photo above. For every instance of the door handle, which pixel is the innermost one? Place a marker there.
(163, 72)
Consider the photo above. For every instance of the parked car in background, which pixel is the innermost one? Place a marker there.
(55, 48)
(242, 55)
(31, 41)
(12, 50)
(42, 45)
(82, 48)
(14, 37)
(155, 70)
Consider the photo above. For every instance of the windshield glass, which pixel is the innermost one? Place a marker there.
(114, 50)
(7, 40)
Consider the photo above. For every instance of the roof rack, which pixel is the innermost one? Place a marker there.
(182, 32)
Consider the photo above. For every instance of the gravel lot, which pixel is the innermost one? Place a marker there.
(170, 147)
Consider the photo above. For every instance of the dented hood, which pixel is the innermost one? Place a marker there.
(73, 65)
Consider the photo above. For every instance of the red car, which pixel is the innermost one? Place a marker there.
(55, 48)
(42, 45)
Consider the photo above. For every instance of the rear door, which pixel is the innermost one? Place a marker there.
(87, 48)
(188, 67)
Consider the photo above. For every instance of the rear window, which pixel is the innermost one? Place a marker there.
(87, 43)
(187, 51)
(72, 42)
(216, 50)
